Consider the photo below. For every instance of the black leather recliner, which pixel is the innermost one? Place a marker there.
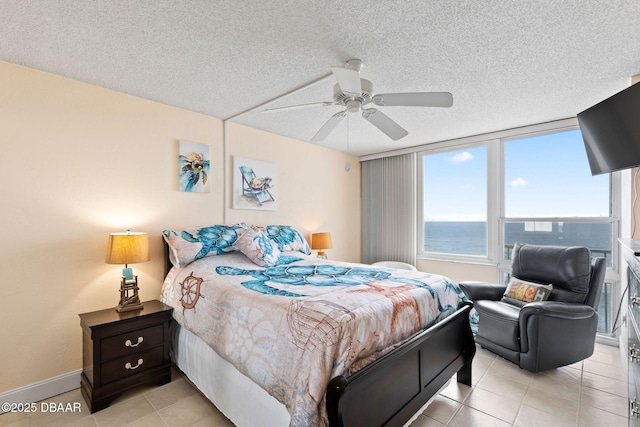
(542, 335)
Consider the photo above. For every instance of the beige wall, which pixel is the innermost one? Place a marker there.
(314, 191)
(78, 162)
(458, 271)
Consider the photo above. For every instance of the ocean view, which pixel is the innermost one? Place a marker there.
(470, 237)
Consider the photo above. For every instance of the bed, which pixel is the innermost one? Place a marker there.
(308, 341)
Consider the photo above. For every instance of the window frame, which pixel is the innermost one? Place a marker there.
(496, 192)
(445, 147)
(439, 148)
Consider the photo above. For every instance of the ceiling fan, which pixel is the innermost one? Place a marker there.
(353, 93)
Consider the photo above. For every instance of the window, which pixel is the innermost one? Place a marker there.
(548, 176)
(455, 202)
(479, 199)
(605, 315)
(597, 236)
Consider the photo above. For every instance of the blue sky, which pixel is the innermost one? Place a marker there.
(546, 176)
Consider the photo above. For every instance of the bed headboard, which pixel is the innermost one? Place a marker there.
(167, 261)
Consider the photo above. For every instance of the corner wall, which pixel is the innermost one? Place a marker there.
(460, 271)
(314, 191)
(78, 162)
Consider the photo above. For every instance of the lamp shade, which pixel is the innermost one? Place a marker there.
(321, 241)
(127, 248)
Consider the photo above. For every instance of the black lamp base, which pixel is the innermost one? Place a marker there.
(129, 299)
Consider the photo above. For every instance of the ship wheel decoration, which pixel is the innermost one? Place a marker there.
(190, 291)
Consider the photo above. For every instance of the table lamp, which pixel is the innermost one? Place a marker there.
(128, 248)
(321, 241)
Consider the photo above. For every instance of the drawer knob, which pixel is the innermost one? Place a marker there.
(635, 301)
(128, 343)
(130, 367)
(634, 353)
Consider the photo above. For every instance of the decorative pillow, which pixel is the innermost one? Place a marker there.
(520, 292)
(186, 246)
(288, 238)
(257, 246)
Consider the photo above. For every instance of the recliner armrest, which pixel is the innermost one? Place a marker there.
(562, 310)
(546, 321)
(482, 290)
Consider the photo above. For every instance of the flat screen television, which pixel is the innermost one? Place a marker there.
(611, 132)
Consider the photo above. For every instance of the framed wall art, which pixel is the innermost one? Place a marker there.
(194, 167)
(254, 184)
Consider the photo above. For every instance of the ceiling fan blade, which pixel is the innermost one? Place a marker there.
(384, 123)
(414, 99)
(329, 126)
(348, 80)
(298, 107)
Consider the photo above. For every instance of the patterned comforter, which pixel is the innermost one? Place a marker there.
(294, 326)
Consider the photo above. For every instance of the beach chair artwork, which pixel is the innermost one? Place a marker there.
(256, 188)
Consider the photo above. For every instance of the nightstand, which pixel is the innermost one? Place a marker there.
(124, 350)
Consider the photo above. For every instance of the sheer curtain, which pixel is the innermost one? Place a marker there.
(389, 209)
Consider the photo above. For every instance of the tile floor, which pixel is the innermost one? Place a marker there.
(589, 393)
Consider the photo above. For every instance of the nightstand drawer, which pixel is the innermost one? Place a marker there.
(131, 364)
(123, 350)
(131, 342)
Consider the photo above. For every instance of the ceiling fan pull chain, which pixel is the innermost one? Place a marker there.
(347, 134)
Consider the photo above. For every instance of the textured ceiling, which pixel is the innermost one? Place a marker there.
(507, 63)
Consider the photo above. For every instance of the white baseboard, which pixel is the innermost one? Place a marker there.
(607, 340)
(43, 389)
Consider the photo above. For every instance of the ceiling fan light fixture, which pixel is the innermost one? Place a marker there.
(365, 95)
(353, 106)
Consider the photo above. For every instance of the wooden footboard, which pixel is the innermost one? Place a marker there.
(392, 389)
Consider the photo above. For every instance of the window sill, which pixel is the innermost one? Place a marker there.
(457, 259)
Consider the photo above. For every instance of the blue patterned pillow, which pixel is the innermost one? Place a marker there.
(186, 246)
(257, 246)
(288, 238)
